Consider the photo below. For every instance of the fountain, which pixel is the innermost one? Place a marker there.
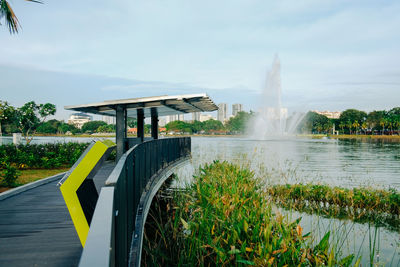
(272, 120)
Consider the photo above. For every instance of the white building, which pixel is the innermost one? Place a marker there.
(222, 112)
(205, 117)
(329, 114)
(79, 119)
(108, 119)
(196, 116)
(236, 108)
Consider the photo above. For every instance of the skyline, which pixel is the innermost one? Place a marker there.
(334, 54)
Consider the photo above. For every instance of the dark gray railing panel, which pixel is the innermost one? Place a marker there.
(99, 245)
(129, 179)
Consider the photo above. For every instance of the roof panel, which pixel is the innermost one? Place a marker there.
(165, 105)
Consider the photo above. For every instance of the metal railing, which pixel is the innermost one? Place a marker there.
(110, 234)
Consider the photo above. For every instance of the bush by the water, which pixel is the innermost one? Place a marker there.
(359, 199)
(41, 156)
(224, 218)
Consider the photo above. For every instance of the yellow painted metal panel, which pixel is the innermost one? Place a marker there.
(74, 181)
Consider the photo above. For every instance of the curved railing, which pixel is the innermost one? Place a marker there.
(110, 235)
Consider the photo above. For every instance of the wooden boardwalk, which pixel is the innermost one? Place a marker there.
(36, 229)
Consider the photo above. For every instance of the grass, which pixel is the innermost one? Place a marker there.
(31, 175)
(224, 218)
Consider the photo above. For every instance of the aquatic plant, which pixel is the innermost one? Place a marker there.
(225, 218)
(381, 207)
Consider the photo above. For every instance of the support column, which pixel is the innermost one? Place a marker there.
(154, 123)
(120, 130)
(140, 124)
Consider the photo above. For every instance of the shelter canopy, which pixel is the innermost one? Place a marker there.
(164, 105)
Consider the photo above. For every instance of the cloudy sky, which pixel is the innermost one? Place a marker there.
(334, 54)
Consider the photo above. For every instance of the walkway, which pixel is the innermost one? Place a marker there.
(36, 229)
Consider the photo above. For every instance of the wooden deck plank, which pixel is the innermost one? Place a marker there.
(36, 229)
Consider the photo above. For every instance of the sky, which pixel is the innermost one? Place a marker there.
(334, 54)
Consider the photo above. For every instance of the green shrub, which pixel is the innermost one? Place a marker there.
(9, 176)
(41, 155)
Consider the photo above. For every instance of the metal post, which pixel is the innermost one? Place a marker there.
(154, 123)
(140, 124)
(120, 130)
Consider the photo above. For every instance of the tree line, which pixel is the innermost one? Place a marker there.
(353, 121)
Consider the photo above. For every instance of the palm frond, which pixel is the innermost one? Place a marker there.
(11, 20)
(39, 2)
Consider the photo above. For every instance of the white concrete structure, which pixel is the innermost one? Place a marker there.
(222, 112)
(236, 108)
(196, 116)
(79, 119)
(205, 117)
(108, 119)
(329, 114)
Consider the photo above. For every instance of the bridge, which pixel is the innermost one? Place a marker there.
(112, 200)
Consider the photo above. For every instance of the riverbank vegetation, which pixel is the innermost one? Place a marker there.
(225, 218)
(379, 207)
(354, 122)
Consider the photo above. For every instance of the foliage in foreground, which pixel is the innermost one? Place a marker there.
(224, 218)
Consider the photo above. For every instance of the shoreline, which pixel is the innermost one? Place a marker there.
(340, 136)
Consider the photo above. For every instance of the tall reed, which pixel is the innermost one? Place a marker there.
(225, 218)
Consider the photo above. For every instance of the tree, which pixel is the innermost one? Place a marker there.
(92, 126)
(6, 113)
(65, 127)
(28, 117)
(212, 125)
(342, 125)
(355, 125)
(350, 116)
(179, 126)
(374, 119)
(9, 15)
(238, 123)
(314, 122)
(109, 128)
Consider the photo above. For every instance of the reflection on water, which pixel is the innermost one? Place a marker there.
(336, 162)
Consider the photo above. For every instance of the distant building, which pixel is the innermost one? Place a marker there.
(222, 112)
(162, 121)
(79, 119)
(205, 117)
(236, 108)
(196, 116)
(329, 114)
(108, 119)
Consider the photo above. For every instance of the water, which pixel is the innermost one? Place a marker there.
(349, 162)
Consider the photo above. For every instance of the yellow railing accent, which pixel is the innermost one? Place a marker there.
(74, 181)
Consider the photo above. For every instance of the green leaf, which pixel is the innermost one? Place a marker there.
(324, 243)
(245, 262)
(347, 260)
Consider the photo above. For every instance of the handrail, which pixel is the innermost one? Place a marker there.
(126, 184)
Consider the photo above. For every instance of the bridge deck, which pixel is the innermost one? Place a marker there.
(36, 229)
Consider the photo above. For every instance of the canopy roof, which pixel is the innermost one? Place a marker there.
(165, 105)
